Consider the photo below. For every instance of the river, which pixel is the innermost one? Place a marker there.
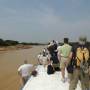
(9, 63)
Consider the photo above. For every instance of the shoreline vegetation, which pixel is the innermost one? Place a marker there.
(8, 45)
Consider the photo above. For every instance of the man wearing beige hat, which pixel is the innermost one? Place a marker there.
(82, 64)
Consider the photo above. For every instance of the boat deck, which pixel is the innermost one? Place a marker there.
(43, 81)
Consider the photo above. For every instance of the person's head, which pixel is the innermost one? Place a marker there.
(25, 61)
(53, 41)
(34, 73)
(82, 40)
(66, 40)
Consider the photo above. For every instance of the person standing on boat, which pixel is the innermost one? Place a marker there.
(52, 48)
(81, 71)
(44, 58)
(65, 55)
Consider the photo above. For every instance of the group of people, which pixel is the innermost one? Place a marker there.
(74, 58)
(78, 65)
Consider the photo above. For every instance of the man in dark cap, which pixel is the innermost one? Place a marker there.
(65, 53)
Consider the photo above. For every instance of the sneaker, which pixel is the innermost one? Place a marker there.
(63, 80)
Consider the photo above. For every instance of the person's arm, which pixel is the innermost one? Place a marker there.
(59, 53)
(59, 56)
(70, 57)
(71, 52)
(19, 71)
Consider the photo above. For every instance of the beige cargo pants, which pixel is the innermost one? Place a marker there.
(84, 79)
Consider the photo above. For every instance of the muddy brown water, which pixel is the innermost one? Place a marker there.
(9, 63)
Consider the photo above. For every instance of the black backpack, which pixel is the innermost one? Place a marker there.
(70, 66)
(50, 69)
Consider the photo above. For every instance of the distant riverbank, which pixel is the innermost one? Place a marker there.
(16, 47)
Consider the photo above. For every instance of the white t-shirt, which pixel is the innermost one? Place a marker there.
(58, 52)
(25, 69)
(58, 49)
(44, 59)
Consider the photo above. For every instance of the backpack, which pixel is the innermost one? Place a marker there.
(50, 69)
(70, 66)
(82, 57)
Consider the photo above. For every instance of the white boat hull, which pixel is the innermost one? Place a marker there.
(43, 81)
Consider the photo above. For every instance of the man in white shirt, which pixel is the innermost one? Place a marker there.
(24, 71)
(58, 53)
(44, 59)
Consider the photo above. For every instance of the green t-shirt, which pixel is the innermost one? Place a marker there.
(65, 50)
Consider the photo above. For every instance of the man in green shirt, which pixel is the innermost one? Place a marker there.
(65, 54)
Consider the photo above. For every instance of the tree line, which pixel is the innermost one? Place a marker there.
(8, 42)
(13, 43)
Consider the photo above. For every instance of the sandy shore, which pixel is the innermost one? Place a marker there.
(11, 48)
(9, 63)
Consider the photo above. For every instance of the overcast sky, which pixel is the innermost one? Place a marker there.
(44, 20)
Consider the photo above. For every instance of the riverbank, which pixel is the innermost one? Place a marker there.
(17, 47)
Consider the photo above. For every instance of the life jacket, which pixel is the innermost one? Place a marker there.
(82, 55)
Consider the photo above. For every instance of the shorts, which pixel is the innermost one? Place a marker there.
(63, 62)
